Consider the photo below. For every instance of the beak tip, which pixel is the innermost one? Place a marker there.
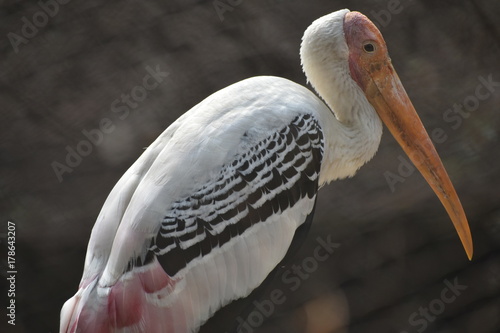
(470, 253)
(468, 247)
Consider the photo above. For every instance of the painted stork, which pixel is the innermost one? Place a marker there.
(212, 206)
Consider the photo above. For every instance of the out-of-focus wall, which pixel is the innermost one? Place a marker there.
(74, 71)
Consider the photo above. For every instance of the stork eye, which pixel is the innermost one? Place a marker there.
(369, 47)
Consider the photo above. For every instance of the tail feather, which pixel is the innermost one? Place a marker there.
(133, 304)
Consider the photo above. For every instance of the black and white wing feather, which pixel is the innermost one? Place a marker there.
(260, 185)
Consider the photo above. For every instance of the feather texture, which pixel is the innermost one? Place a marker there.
(202, 225)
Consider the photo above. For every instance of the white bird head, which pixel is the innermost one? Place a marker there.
(344, 51)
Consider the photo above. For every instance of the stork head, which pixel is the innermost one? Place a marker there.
(352, 44)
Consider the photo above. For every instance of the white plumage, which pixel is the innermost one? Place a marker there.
(211, 207)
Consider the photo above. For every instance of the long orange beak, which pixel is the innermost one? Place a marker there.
(389, 98)
(371, 68)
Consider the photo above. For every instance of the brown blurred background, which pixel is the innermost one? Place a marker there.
(397, 247)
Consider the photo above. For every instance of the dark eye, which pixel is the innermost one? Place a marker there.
(369, 47)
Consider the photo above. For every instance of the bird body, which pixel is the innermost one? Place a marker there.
(193, 153)
(212, 206)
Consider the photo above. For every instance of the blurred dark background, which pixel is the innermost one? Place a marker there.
(397, 247)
